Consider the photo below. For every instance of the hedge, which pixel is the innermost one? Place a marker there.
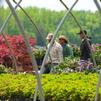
(63, 87)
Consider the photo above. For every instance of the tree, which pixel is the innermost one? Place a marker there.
(47, 21)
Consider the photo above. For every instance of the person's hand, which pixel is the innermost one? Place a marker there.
(47, 62)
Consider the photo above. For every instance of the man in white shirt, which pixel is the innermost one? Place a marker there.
(55, 54)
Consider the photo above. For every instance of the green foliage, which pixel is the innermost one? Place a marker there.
(72, 62)
(39, 53)
(47, 21)
(69, 62)
(97, 55)
(3, 69)
(63, 87)
(76, 52)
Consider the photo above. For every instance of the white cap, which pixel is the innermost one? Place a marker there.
(49, 36)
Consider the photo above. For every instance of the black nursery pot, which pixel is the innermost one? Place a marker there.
(39, 61)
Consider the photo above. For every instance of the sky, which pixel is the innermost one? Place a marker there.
(87, 5)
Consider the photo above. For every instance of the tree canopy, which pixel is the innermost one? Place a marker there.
(47, 21)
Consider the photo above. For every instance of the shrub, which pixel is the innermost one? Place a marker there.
(69, 62)
(19, 49)
(76, 51)
(63, 87)
(97, 54)
(3, 69)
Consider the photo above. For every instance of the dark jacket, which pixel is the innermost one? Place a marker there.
(85, 52)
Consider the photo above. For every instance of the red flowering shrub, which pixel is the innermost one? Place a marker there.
(19, 48)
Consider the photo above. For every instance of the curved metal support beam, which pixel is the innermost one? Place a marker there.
(78, 24)
(8, 18)
(99, 8)
(7, 42)
(51, 43)
(99, 80)
(31, 20)
(71, 15)
(55, 33)
(97, 87)
(33, 23)
(97, 5)
(29, 50)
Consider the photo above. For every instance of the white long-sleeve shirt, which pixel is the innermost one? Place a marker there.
(56, 53)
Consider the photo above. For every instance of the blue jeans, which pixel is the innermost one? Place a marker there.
(47, 68)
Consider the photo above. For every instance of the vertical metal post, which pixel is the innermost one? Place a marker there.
(29, 50)
(54, 36)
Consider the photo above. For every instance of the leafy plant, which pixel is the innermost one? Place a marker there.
(3, 69)
(19, 48)
(63, 87)
(39, 53)
(97, 54)
(67, 64)
(76, 52)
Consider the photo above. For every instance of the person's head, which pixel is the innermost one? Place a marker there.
(83, 34)
(49, 37)
(63, 40)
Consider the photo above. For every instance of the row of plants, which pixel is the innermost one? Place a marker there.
(63, 87)
(71, 64)
(23, 60)
(97, 54)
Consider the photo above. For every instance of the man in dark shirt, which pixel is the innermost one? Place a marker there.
(85, 48)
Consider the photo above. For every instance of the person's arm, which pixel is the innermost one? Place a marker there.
(87, 49)
(60, 53)
(88, 46)
(48, 60)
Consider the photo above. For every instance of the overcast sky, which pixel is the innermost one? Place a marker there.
(56, 5)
